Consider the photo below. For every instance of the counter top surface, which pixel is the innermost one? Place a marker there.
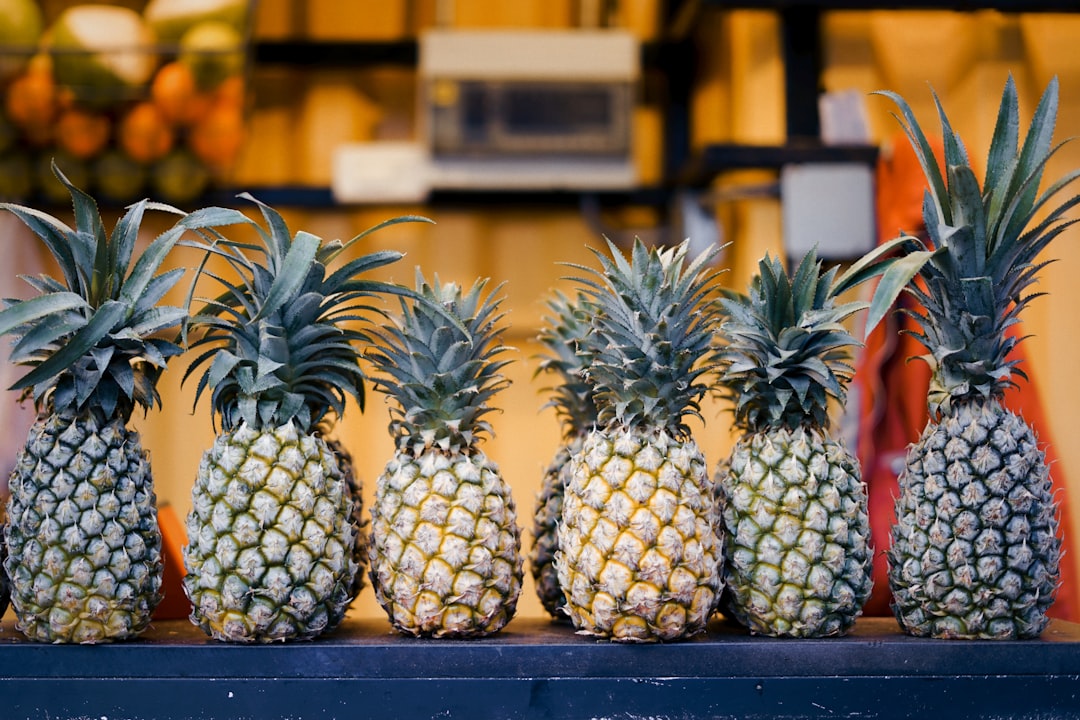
(536, 668)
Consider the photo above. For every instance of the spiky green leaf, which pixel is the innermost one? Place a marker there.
(29, 311)
(105, 318)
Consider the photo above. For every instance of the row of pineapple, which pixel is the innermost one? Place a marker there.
(634, 538)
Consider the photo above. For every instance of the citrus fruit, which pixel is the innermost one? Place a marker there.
(144, 133)
(83, 133)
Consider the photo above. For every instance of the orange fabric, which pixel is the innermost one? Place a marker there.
(891, 390)
(174, 605)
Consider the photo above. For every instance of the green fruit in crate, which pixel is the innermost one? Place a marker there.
(213, 52)
(103, 53)
(20, 30)
(118, 178)
(170, 19)
(179, 177)
(16, 176)
(83, 541)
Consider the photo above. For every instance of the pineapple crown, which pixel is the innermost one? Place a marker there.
(979, 256)
(565, 335)
(279, 342)
(441, 370)
(786, 351)
(90, 337)
(649, 341)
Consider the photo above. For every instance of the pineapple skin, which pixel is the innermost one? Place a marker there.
(546, 518)
(445, 549)
(639, 550)
(5, 584)
(270, 537)
(357, 517)
(84, 545)
(975, 551)
(798, 561)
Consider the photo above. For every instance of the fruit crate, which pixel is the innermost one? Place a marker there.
(539, 669)
(131, 99)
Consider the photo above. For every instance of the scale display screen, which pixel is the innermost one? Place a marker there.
(485, 117)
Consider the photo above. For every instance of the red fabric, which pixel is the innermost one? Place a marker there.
(892, 391)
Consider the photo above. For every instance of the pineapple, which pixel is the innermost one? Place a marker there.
(639, 551)
(357, 517)
(975, 549)
(792, 500)
(271, 534)
(565, 337)
(5, 586)
(83, 542)
(445, 548)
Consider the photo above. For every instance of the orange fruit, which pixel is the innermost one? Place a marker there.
(144, 133)
(173, 91)
(30, 100)
(201, 104)
(83, 133)
(217, 138)
(231, 92)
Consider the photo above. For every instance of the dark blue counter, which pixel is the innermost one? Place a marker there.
(536, 669)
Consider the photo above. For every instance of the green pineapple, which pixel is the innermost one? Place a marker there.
(271, 532)
(975, 549)
(794, 507)
(565, 336)
(445, 546)
(357, 517)
(5, 585)
(639, 550)
(83, 542)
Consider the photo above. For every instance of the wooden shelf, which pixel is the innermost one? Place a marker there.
(538, 669)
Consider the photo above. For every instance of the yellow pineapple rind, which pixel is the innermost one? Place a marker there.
(270, 538)
(639, 548)
(445, 549)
